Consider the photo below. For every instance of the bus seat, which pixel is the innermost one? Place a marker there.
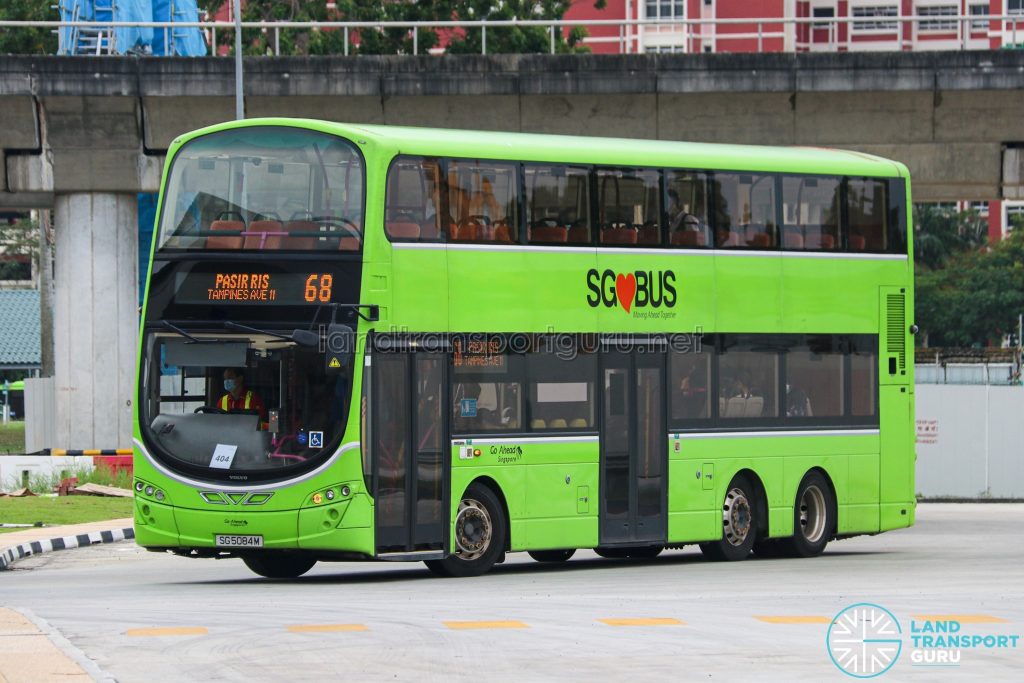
(736, 407)
(405, 230)
(549, 233)
(428, 229)
(791, 239)
(226, 241)
(264, 240)
(758, 237)
(579, 423)
(618, 236)
(538, 423)
(857, 243)
(558, 423)
(755, 404)
(502, 232)
(349, 243)
(467, 230)
(648, 235)
(302, 242)
(579, 234)
(687, 238)
(827, 241)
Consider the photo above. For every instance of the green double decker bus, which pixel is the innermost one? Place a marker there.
(372, 342)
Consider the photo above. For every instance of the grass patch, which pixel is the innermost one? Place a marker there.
(62, 510)
(46, 483)
(12, 437)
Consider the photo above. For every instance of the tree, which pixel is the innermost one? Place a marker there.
(940, 232)
(383, 41)
(27, 41)
(976, 297)
(19, 249)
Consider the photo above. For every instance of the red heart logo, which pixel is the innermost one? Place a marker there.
(625, 289)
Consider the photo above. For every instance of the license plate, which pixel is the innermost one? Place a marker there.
(228, 541)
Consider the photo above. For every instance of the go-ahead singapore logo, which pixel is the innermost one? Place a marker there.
(864, 640)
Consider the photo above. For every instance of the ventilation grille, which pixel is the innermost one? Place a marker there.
(895, 339)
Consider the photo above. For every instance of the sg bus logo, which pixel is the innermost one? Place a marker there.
(640, 289)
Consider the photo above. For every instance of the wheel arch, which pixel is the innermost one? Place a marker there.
(832, 489)
(762, 499)
(495, 488)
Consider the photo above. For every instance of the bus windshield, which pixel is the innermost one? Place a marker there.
(265, 188)
(236, 406)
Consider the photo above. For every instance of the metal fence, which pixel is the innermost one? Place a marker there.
(628, 37)
(994, 374)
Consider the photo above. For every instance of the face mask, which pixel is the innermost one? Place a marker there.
(229, 385)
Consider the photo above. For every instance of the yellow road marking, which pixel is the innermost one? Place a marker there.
(805, 619)
(962, 618)
(646, 621)
(168, 631)
(326, 628)
(466, 625)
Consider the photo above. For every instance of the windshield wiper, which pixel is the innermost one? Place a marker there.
(300, 337)
(191, 340)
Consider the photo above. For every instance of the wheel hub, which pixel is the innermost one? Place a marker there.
(813, 514)
(473, 530)
(736, 517)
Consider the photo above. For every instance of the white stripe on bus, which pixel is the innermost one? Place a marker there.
(781, 433)
(526, 439)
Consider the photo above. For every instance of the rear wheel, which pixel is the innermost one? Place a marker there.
(279, 565)
(739, 523)
(551, 555)
(479, 535)
(813, 518)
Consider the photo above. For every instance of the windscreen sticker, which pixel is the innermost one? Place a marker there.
(223, 454)
(467, 407)
(316, 439)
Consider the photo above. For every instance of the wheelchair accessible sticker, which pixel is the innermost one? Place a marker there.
(316, 439)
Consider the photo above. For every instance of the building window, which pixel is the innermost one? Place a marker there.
(979, 10)
(876, 14)
(1015, 6)
(937, 24)
(1013, 215)
(665, 10)
(823, 13)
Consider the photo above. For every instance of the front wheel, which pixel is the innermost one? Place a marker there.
(552, 555)
(279, 565)
(739, 523)
(813, 518)
(480, 533)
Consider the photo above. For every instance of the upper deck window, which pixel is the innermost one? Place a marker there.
(557, 204)
(629, 208)
(810, 212)
(483, 200)
(265, 188)
(745, 210)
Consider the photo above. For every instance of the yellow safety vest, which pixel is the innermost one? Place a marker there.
(225, 401)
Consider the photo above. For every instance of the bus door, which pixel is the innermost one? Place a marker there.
(634, 443)
(409, 434)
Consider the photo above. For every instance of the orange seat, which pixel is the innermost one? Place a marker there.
(648, 235)
(827, 242)
(502, 232)
(428, 229)
(549, 233)
(226, 241)
(579, 234)
(264, 240)
(687, 238)
(468, 230)
(727, 238)
(858, 243)
(301, 242)
(405, 230)
(618, 236)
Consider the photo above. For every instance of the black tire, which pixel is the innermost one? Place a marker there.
(739, 523)
(552, 555)
(814, 518)
(480, 533)
(279, 564)
(612, 553)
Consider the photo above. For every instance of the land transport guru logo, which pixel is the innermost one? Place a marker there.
(641, 294)
(865, 640)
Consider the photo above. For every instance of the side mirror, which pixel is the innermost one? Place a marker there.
(340, 347)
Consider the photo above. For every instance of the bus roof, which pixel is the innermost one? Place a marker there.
(597, 150)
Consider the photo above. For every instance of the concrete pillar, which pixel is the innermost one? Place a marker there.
(95, 318)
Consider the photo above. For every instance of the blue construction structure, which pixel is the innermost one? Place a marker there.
(107, 40)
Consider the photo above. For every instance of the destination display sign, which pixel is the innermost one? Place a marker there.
(255, 288)
(482, 355)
